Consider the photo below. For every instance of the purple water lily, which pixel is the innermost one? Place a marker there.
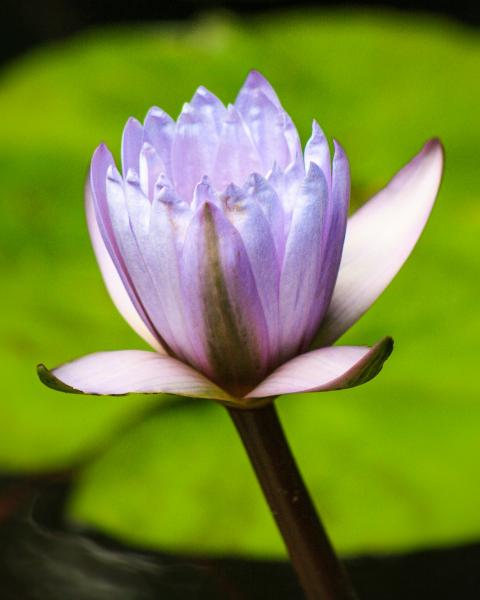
(228, 250)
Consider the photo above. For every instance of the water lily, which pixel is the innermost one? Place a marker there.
(228, 249)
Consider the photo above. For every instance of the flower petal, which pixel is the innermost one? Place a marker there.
(245, 214)
(302, 262)
(224, 309)
(194, 148)
(270, 203)
(212, 109)
(151, 167)
(161, 250)
(237, 155)
(254, 82)
(130, 371)
(379, 238)
(266, 120)
(331, 368)
(159, 130)
(132, 141)
(112, 280)
(317, 151)
(333, 236)
(102, 162)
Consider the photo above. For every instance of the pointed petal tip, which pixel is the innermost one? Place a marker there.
(102, 162)
(314, 172)
(255, 181)
(132, 177)
(133, 122)
(339, 151)
(317, 131)
(101, 151)
(49, 380)
(155, 111)
(255, 79)
(326, 369)
(132, 127)
(369, 366)
(130, 372)
(435, 146)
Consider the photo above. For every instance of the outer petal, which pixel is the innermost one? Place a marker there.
(224, 309)
(331, 368)
(333, 236)
(379, 238)
(245, 214)
(130, 371)
(160, 248)
(102, 161)
(317, 151)
(112, 279)
(132, 141)
(302, 262)
(129, 226)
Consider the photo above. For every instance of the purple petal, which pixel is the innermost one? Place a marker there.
(112, 280)
(317, 151)
(160, 130)
(269, 202)
(102, 162)
(245, 214)
(194, 149)
(132, 142)
(161, 249)
(379, 238)
(130, 371)
(331, 368)
(212, 109)
(255, 82)
(150, 168)
(302, 262)
(332, 238)
(237, 155)
(129, 213)
(267, 123)
(293, 142)
(225, 311)
(204, 192)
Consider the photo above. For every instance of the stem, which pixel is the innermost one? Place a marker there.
(320, 572)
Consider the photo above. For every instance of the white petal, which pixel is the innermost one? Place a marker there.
(331, 368)
(379, 238)
(130, 371)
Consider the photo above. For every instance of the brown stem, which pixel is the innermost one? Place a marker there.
(319, 570)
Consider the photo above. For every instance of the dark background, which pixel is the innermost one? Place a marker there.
(26, 23)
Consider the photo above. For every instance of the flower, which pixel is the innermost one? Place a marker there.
(228, 250)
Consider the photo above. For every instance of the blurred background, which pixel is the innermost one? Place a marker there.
(393, 465)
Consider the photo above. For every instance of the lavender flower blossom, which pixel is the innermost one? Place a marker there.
(228, 250)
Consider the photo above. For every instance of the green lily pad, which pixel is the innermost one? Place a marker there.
(392, 464)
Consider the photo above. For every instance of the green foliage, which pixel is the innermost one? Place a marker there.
(393, 464)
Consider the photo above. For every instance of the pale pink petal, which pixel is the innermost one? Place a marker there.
(379, 238)
(112, 280)
(331, 368)
(130, 371)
